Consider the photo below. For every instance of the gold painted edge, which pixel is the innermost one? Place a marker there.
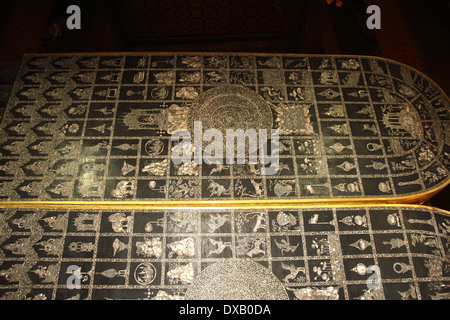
(184, 206)
(197, 205)
(261, 203)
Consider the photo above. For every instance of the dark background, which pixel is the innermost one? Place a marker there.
(413, 32)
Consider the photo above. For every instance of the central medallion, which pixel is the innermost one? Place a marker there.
(230, 107)
(236, 279)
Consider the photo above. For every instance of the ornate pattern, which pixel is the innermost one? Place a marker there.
(215, 254)
(98, 127)
(230, 107)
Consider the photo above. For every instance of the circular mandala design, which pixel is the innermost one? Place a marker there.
(154, 147)
(145, 273)
(230, 107)
(236, 279)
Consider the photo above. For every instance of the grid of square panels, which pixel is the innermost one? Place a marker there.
(337, 253)
(96, 127)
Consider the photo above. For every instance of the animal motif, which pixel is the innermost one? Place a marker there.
(220, 246)
(293, 271)
(216, 189)
(285, 246)
(216, 221)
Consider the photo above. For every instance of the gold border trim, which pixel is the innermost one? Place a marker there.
(262, 203)
(106, 206)
(240, 204)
